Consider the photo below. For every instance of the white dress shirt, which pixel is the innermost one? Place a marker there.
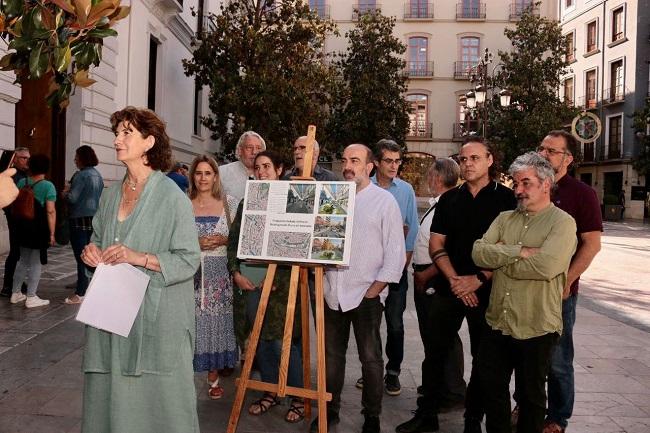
(378, 252)
(233, 178)
(421, 252)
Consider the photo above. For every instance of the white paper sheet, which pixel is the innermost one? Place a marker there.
(113, 298)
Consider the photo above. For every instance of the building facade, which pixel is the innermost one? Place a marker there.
(444, 39)
(610, 51)
(140, 67)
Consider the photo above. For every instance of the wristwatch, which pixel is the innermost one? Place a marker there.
(481, 277)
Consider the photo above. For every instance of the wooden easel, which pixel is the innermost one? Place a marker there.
(299, 275)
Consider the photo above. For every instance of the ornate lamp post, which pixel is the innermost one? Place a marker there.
(476, 102)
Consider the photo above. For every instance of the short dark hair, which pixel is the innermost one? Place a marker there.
(275, 157)
(569, 139)
(86, 156)
(39, 164)
(386, 144)
(495, 168)
(159, 157)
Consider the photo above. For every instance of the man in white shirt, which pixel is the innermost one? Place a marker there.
(233, 176)
(354, 295)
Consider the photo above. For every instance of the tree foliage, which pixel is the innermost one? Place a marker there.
(532, 70)
(58, 37)
(369, 101)
(264, 64)
(640, 122)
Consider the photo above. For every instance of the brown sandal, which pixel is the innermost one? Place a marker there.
(261, 406)
(215, 392)
(297, 409)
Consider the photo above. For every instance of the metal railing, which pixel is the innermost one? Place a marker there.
(419, 69)
(418, 10)
(614, 94)
(420, 129)
(470, 11)
(205, 25)
(322, 10)
(359, 9)
(587, 102)
(458, 132)
(462, 69)
(614, 151)
(517, 9)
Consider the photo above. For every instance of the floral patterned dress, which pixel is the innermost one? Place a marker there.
(215, 346)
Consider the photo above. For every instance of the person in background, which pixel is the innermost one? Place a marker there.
(21, 160)
(248, 280)
(215, 347)
(179, 175)
(144, 383)
(35, 236)
(235, 174)
(82, 195)
(318, 172)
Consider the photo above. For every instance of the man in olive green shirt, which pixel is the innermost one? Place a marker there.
(529, 251)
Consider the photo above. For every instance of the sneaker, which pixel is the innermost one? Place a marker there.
(419, 424)
(35, 301)
(371, 424)
(17, 297)
(359, 383)
(392, 386)
(332, 419)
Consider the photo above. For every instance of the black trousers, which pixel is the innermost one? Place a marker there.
(530, 359)
(447, 314)
(13, 256)
(454, 386)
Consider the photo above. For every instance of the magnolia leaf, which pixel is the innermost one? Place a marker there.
(101, 33)
(81, 79)
(6, 61)
(62, 58)
(82, 7)
(36, 64)
(48, 19)
(2, 23)
(65, 5)
(103, 9)
(120, 13)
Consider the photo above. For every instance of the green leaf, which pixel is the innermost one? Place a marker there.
(101, 33)
(7, 61)
(62, 58)
(38, 61)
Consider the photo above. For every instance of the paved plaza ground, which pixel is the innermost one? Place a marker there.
(41, 350)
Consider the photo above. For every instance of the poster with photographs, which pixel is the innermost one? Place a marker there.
(297, 221)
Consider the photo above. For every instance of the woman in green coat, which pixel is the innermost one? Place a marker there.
(144, 383)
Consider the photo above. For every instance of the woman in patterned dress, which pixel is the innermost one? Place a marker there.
(215, 347)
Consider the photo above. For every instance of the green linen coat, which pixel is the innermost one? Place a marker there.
(144, 383)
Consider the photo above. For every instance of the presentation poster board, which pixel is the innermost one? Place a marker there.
(297, 221)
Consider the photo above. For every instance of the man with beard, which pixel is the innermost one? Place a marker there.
(528, 250)
(463, 215)
(355, 294)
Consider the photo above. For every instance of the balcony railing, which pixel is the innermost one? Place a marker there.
(614, 151)
(517, 10)
(322, 10)
(587, 102)
(205, 25)
(614, 95)
(419, 69)
(420, 130)
(470, 12)
(458, 132)
(363, 8)
(568, 101)
(463, 69)
(589, 155)
(415, 10)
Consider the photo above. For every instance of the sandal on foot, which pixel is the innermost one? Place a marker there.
(73, 300)
(215, 392)
(296, 412)
(210, 379)
(261, 406)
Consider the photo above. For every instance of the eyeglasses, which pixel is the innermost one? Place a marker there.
(551, 151)
(389, 161)
(473, 158)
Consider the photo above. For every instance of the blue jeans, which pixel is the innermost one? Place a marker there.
(561, 386)
(78, 240)
(394, 312)
(268, 360)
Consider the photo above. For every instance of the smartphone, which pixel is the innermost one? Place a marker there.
(7, 159)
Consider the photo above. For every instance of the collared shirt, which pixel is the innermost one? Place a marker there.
(463, 218)
(581, 202)
(86, 187)
(526, 300)
(233, 179)
(377, 250)
(320, 174)
(421, 252)
(405, 196)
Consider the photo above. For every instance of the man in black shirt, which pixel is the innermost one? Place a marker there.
(462, 216)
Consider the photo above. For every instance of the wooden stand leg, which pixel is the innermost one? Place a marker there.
(288, 331)
(320, 352)
(304, 316)
(250, 351)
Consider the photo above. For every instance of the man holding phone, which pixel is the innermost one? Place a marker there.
(20, 163)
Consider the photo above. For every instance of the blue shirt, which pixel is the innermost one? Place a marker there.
(405, 197)
(180, 180)
(86, 187)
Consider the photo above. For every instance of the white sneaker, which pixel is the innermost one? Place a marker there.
(35, 301)
(17, 297)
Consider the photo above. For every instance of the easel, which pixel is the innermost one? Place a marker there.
(299, 275)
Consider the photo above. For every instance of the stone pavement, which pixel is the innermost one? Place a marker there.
(41, 350)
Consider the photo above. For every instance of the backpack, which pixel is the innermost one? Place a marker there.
(23, 206)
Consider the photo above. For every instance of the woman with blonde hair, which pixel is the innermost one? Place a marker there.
(215, 347)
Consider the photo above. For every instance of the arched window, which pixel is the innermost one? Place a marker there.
(418, 117)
